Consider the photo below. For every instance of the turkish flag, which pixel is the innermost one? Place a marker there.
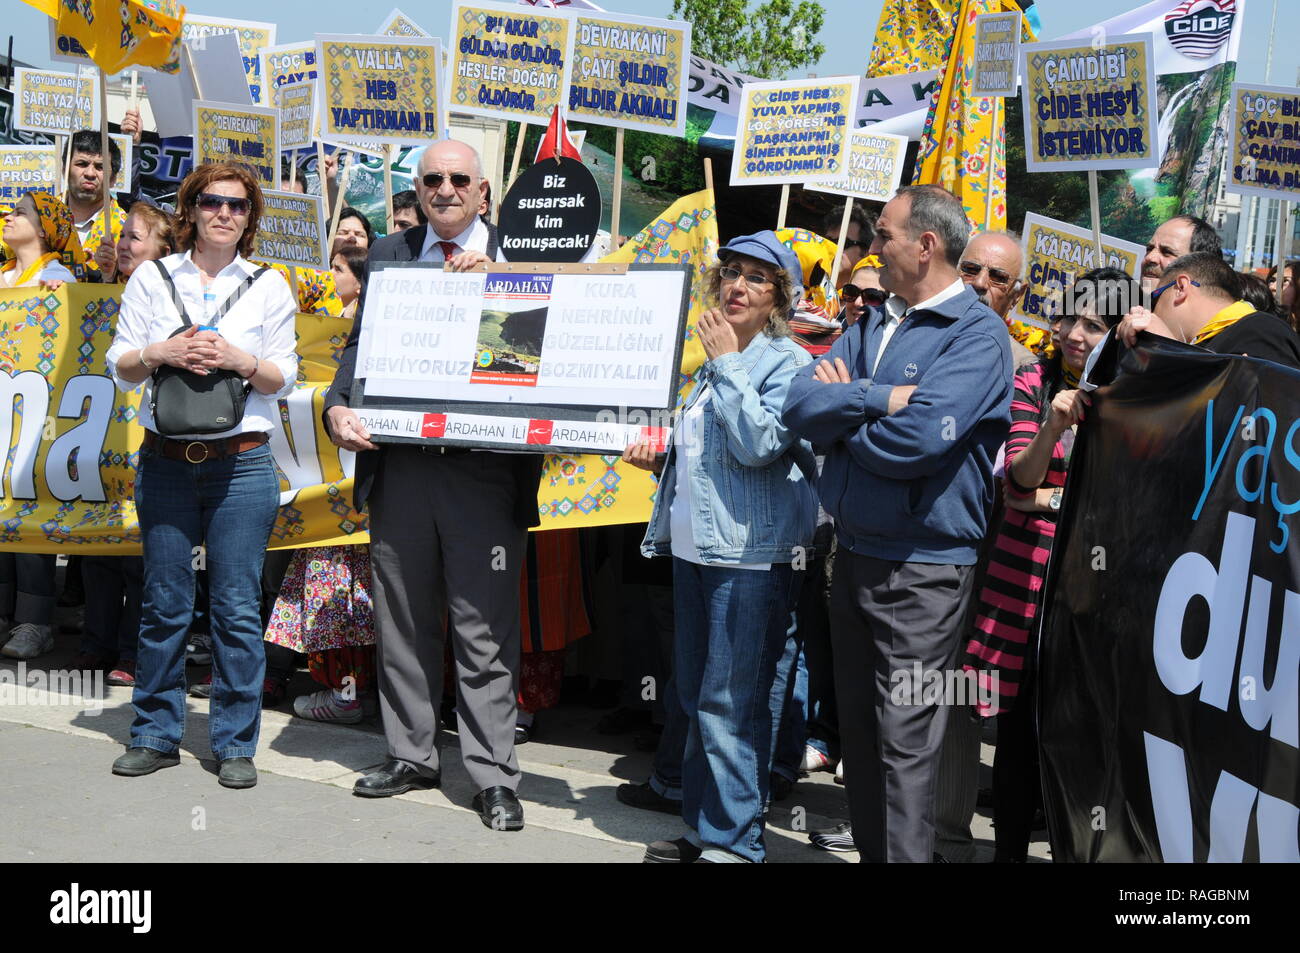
(657, 437)
(435, 425)
(556, 142)
(539, 431)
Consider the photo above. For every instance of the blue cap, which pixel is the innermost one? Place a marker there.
(766, 247)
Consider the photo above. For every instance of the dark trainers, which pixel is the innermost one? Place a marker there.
(838, 839)
(237, 773)
(202, 688)
(680, 851)
(647, 798)
(141, 761)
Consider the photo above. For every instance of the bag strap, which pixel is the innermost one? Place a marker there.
(225, 305)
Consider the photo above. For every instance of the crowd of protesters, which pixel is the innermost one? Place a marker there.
(866, 475)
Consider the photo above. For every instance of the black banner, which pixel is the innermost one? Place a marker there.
(1170, 653)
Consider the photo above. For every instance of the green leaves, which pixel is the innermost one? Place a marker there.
(768, 42)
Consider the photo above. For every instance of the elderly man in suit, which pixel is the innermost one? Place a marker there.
(447, 530)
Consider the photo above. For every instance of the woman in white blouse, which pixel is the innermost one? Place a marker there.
(210, 498)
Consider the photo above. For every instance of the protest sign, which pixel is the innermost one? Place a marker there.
(997, 54)
(630, 72)
(1167, 703)
(1090, 105)
(509, 62)
(253, 37)
(875, 167)
(26, 169)
(125, 146)
(563, 356)
(1055, 254)
(57, 104)
(214, 66)
(794, 131)
(380, 89)
(1265, 142)
(297, 105)
(291, 230)
(551, 213)
(398, 23)
(288, 63)
(246, 134)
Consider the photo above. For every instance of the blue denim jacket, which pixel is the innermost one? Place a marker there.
(752, 492)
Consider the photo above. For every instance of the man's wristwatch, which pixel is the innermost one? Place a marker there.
(1054, 501)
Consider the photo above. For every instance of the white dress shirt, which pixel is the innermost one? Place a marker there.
(896, 310)
(261, 323)
(474, 238)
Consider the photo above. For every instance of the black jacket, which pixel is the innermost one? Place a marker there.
(406, 246)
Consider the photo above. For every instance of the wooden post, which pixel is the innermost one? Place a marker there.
(344, 169)
(616, 203)
(107, 178)
(1283, 233)
(993, 148)
(844, 236)
(293, 170)
(320, 174)
(785, 202)
(1095, 203)
(389, 158)
(708, 175)
(189, 62)
(67, 164)
(514, 163)
(135, 89)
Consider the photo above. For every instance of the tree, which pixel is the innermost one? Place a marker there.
(768, 42)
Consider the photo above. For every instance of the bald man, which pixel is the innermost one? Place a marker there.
(991, 266)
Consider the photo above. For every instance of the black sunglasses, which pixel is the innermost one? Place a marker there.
(211, 202)
(872, 296)
(997, 276)
(434, 180)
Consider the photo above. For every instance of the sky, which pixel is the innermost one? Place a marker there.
(847, 33)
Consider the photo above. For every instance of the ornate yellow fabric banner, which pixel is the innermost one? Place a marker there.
(121, 33)
(912, 35)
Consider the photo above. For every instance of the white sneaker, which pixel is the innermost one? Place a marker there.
(327, 705)
(839, 773)
(26, 641)
(814, 760)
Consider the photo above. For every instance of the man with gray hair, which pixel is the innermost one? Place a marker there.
(448, 530)
(912, 404)
(992, 266)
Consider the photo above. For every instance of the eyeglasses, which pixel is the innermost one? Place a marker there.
(434, 180)
(997, 276)
(1163, 288)
(872, 296)
(727, 273)
(210, 202)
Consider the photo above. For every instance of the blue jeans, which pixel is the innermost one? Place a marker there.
(790, 702)
(228, 506)
(731, 631)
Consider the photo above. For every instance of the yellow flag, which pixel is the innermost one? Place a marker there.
(597, 489)
(963, 147)
(117, 34)
(912, 35)
(49, 7)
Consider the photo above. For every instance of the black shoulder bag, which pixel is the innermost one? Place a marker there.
(186, 403)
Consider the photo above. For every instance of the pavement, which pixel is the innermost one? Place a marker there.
(61, 803)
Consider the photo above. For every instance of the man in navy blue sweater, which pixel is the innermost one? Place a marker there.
(911, 406)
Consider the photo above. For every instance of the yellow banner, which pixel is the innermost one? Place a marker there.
(912, 35)
(55, 103)
(399, 24)
(508, 62)
(1265, 142)
(794, 131)
(72, 438)
(253, 37)
(380, 89)
(598, 489)
(246, 134)
(117, 34)
(630, 72)
(297, 105)
(291, 230)
(26, 169)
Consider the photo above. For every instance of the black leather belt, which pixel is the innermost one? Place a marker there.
(197, 451)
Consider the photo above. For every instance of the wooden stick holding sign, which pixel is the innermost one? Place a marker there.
(1095, 204)
(844, 237)
(519, 152)
(107, 177)
(135, 89)
(390, 156)
(616, 203)
(343, 173)
(320, 174)
(785, 203)
(708, 173)
(1283, 233)
(993, 148)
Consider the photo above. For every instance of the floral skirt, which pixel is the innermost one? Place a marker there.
(324, 601)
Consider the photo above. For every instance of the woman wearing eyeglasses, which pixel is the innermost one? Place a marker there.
(735, 508)
(1046, 409)
(211, 497)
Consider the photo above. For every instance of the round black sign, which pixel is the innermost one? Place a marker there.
(551, 213)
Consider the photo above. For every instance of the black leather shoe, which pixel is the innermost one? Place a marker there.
(140, 761)
(396, 777)
(499, 809)
(680, 851)
(647, 798)
(237, 773)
